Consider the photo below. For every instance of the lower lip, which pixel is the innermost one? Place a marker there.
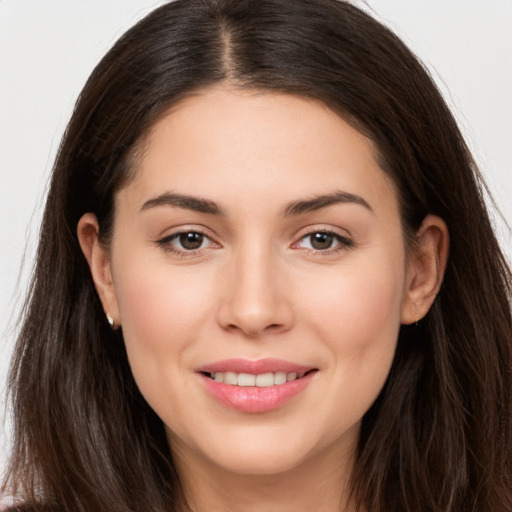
(254, 399)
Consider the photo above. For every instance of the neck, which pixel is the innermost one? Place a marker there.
(318, 484)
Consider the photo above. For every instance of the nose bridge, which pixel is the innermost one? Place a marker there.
(254, 302)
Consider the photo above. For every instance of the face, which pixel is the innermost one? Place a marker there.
(258, 273)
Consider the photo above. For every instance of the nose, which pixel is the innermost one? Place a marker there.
(255, 300)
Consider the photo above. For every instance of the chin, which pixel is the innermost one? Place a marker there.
(258, 464)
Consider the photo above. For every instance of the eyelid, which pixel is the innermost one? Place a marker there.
(342, 236)
(322, 228)
(165, 242)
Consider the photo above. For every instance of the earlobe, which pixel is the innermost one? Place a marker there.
(425, 268)
(98, 258)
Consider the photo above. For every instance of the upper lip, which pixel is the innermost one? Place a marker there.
(254, 367)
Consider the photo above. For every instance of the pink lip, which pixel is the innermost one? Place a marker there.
(254, 399)
(254, 367)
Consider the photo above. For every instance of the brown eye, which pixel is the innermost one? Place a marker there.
(187, 243)
(321, 241)
(191, 241)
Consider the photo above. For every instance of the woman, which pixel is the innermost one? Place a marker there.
(266, 280)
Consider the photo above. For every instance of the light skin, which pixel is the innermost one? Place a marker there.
(299, 255)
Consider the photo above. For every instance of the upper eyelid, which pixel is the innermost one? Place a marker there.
(167, 243)
(339, 237)
(167, 240)
(173, 232)
(322, 228)
(343, 237)
(176, 234)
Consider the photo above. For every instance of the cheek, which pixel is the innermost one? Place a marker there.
(358, 317)
(359, 323)
(161, 311)
(364, 301)
(162, 315)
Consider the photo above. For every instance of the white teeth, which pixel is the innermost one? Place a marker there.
(262, 380)
(265, 380)
(279, 378)
(246, 379)
(230, 378)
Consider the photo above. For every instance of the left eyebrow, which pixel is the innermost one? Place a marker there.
(323, 201)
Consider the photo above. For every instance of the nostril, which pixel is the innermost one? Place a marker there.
(254, 330)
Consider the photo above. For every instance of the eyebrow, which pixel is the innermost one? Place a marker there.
(299, 207)
(196, 204)
(323, 201)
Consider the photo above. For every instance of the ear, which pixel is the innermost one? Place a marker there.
(98, 258)
(426, 265)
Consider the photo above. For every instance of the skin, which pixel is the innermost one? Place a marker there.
(258, 288)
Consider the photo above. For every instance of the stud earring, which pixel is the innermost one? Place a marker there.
(110, 320)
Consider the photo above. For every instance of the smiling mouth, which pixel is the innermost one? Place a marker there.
(262, 380)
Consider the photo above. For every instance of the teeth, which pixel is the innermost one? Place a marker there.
(265, 380)
(279, 378)
(230, 378)
(246, 379)
(262, 380)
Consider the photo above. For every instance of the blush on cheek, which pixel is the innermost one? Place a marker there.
(360, 306)
(160, 308)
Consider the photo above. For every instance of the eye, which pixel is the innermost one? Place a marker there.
(186, 242)
(190, 241)
(323, 241)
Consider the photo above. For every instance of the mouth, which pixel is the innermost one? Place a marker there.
(256, 386)
(261, 380)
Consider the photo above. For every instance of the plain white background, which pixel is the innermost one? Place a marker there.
(47, 50)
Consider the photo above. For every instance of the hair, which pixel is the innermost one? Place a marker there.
(439, 436)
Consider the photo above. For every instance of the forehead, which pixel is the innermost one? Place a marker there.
(229, 143)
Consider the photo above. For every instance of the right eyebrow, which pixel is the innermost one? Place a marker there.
(193, 203)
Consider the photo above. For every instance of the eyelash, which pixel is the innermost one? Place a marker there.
(343, 242)
(166, 242)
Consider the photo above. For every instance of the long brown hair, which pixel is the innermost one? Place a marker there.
(439, 436)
